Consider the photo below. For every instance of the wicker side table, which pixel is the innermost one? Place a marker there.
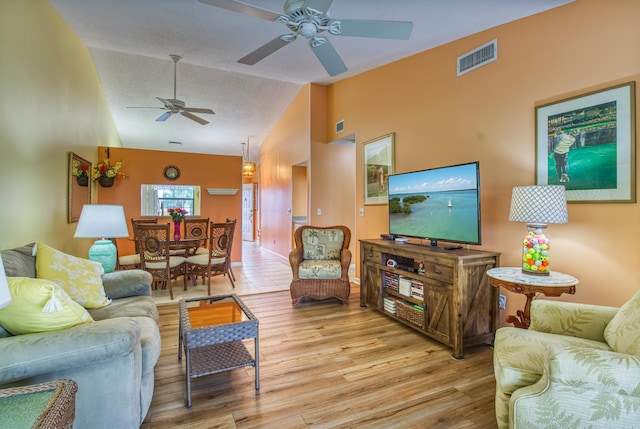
(41, 406)
(212, 330)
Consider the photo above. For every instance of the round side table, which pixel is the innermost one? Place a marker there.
(514, 280)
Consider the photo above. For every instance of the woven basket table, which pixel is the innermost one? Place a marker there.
(42, 406)
(211, 332)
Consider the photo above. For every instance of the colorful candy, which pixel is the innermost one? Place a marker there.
(535, 252)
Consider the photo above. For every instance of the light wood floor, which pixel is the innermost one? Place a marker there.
(324, 365)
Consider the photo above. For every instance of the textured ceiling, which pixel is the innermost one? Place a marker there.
(130, 42)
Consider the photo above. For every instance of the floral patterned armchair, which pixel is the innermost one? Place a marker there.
(577, 366)
(320, 263)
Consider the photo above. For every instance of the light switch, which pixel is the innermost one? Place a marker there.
(362, 211)
(319, 211)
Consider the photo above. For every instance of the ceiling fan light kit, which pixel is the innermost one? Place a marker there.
(309, 18)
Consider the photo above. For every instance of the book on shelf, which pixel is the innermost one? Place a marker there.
(404, 286)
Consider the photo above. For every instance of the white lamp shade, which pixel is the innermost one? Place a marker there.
(102, 221)
(540, 204)
(5, 296)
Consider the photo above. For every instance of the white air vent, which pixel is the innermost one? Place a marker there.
(340, 126)
(478, 57)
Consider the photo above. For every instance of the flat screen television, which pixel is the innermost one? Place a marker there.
(438, 204)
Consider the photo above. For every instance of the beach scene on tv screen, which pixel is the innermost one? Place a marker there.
(437, 204)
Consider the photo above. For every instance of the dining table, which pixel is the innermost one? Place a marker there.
(185, 246)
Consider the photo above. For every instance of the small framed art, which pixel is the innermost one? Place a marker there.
(378, 164)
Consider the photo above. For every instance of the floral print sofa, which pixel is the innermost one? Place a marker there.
(577, 366)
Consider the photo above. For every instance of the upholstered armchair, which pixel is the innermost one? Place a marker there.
(320, 263)
(577, 366)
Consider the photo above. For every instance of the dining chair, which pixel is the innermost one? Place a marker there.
(218, 259)
(197, 228)
(233, 276)
(130, 262)
(153, 244)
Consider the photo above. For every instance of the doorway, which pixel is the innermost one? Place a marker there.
(299, 197)
(248, 207)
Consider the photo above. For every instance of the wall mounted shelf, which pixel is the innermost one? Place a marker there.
(222, 191)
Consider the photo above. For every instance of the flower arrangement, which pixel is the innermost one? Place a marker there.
(177, 214)
(105, 169)
(80, 170)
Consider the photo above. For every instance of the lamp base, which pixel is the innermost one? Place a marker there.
(104, 252)
(536, 248)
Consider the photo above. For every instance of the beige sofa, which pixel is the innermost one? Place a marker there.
(111, 359)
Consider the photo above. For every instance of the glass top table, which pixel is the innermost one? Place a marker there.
(211, 333)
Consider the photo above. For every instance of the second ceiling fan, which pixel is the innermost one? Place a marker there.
(174, 106)
(310, 18)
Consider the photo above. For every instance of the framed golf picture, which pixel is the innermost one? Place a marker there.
(587, 143)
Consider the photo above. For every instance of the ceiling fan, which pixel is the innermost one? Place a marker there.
(310, 18)
(174, 106)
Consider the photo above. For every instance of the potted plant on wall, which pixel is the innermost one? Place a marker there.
(81, 172)
(106, 173)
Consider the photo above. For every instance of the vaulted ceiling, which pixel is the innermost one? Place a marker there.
(131, 41)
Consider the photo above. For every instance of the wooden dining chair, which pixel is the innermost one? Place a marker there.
(130, 262)
(233, 276)
(153, 244)
(218, 260)
(197, 228)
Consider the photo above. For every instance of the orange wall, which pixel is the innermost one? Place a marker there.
(488, 115)
(300, 137)
(333, 188)
(286, 145)
(207, 171)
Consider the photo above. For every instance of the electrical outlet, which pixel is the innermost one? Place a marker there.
(503, 302)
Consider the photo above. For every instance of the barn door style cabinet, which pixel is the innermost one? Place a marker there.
(444, 294)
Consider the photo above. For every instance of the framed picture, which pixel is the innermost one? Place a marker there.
(79, 184)
(587, 143)
(378, 164)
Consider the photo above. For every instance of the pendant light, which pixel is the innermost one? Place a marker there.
(248, 167)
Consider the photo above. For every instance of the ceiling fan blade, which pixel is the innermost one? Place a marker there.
(194, 118)
(164, 117)
(246, 9)
(263, 51)
(321, 5)
(144, 107)
(398, 30)
(329, 58)
(199, 110)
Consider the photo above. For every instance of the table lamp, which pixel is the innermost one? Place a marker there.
(5, 295)
(102, 221)
(538, 206)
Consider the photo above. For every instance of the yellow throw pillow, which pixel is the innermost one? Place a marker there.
(39, 305)
(80, 278)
